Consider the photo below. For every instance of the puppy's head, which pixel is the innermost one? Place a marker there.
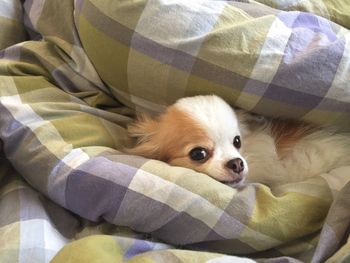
(200, 133)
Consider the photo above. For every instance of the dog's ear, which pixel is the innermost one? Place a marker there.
(145, 130)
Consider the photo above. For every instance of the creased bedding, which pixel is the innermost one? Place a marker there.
(72, 76)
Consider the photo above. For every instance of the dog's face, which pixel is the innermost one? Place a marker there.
(201, 133)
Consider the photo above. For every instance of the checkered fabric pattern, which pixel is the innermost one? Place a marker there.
(72, 75)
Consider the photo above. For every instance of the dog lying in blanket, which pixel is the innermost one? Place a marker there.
(205, 134)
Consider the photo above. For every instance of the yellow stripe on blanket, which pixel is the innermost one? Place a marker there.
(289, 216)
(90, 249)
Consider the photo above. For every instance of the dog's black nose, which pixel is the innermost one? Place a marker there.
(236, 165)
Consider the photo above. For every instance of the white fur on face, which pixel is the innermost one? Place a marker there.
(220, 122)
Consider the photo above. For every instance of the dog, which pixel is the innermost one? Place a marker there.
(205, 134)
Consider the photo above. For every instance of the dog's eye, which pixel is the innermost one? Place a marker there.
(237, 142)
(198, 154)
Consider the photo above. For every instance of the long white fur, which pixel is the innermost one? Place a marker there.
(313, 155)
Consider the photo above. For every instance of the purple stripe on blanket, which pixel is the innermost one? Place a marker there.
(288, 18)
(145, 214)
(187, 62)
(332, 105)
(292, 97)
(192, 230)
(316, 24)
(105, 24)
(92, 197)
(176, 58)
(139, 246)
(309, 21)
(296, 70)
(312, 48)
(97, 188)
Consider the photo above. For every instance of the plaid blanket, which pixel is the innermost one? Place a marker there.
(72, 75)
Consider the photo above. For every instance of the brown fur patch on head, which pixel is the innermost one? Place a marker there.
(167, 137)
(288, 132)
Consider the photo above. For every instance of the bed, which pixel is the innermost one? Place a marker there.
(73, 74)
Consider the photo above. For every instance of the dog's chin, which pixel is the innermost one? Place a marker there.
(237, 183)
(233, 180)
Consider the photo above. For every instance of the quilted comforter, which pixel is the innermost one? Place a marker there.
(74, 73)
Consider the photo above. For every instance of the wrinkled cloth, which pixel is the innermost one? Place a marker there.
(72, 76)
